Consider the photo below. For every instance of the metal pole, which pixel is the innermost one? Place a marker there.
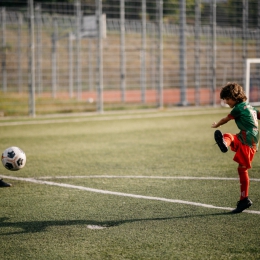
(160, 56)
(245, 25)
(90, 70)
(233, 52)
(31, 81)
(258, 46)
(19, 53)
(78, 50)
(143, 53)
(122, 50)
(153, 56)
(99, 57)
(183, 66)
(70, 65)
(54, 59)
(213, 64)
(208, 58)
(197, 52)
(3, 20)
(39, 49)
(258, 29)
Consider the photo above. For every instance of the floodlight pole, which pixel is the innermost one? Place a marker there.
(31, 80)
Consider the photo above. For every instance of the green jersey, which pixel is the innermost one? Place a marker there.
(246, 119)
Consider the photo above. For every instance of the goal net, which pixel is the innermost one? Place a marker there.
(252, 87)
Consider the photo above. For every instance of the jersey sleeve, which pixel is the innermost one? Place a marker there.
(235, 112)
(230, 116)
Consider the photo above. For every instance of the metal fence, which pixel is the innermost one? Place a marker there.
(125, 53)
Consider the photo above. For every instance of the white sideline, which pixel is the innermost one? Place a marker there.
(142, 177)
(122, 194)
(109, 117)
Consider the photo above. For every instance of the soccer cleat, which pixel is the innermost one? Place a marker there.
(220, 141)
(4, 184)
(242, 205)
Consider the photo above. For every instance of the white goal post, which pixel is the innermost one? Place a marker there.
(254, 102)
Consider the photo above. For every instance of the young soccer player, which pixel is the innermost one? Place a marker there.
(245, 143)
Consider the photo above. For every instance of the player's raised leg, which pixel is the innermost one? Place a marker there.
(220, 141)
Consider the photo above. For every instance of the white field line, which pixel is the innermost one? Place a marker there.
(32, 180)
(110, 118)
(143, 177)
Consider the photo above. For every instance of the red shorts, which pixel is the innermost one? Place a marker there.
(244, 153)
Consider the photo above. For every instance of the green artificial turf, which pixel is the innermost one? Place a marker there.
(147, 154)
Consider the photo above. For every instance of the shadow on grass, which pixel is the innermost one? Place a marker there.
(40, 226)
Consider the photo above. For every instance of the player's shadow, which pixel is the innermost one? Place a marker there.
(41, 226)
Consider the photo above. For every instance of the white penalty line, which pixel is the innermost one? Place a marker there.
(64, 185)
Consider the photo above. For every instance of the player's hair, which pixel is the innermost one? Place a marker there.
(234, 91)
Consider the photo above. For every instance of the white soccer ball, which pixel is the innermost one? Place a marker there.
(13, 158)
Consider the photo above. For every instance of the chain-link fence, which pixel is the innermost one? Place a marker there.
(96, 55)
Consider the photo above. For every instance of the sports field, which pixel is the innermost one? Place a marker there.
(135, 185)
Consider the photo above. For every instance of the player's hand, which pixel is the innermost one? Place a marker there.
(214, 125)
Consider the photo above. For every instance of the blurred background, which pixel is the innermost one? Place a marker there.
(94, 55)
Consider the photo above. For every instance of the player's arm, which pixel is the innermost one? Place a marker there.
(222, 121)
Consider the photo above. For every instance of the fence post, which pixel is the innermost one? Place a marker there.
(19, 53)
(153, 56)
(244, 26)
(99, 57)
(258, 46)
(54, 58)
(122, 50)
(160, 54)
(213, 46)
(183, 66)
(31, 81)
(90, 70)
(233, 52)
(70, 65)
(197, 52)
(3, 20)
(39, 49)
(143, 53)
(78, 49)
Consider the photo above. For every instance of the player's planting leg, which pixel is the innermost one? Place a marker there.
(220, 141)
(244, 201)
(4, 184)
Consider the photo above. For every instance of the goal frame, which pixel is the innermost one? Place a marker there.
(247, 75)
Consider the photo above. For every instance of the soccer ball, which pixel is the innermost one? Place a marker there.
(13, 158)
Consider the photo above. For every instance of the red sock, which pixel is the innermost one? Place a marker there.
(244, 182)
(228, 138)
